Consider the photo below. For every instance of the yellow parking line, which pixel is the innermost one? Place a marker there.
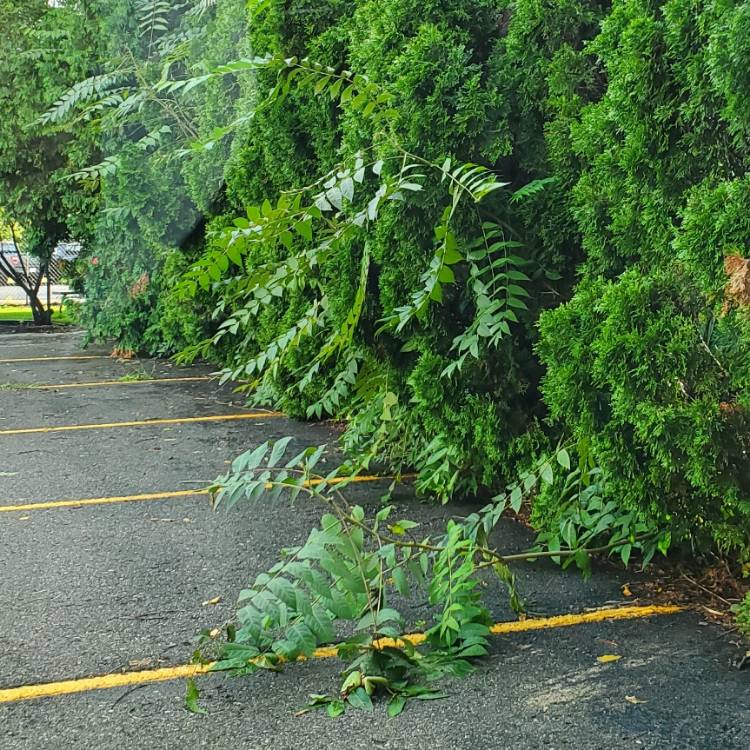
(80, 503)
(96, 383)
(598, 615)
(51, 359)
(141, 423)
(101, 500)
(102, 682)
(66, 687)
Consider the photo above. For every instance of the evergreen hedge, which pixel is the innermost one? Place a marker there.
(629, 345)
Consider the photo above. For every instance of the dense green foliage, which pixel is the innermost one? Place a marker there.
(648, 361)
(147, 225)
(742, 610)
(442, 69)
(287, 188)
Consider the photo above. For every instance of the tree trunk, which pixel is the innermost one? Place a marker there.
(31, 286)
(42, 316)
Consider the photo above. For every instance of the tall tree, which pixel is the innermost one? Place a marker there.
(43, 49)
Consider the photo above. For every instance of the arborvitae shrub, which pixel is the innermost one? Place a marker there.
(629, 371)
(647, 361)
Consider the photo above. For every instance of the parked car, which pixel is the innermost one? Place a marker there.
(11, 254)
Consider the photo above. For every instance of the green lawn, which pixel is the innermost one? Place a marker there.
(13, 312)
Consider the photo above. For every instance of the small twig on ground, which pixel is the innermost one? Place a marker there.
(707, 590)
(128, 692)
(153, 615)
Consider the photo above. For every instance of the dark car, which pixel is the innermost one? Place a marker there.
(12, 256)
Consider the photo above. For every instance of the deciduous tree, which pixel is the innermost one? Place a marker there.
(35, 158)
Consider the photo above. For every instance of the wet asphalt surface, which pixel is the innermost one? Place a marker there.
(111, 588)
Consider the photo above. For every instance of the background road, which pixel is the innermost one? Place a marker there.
(12, 295)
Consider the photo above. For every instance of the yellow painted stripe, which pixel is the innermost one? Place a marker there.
(141, 423)
(97, 383)
(51, 359)
(598, 615)
(67, 687)
(7, 506)
(558, 621)
(101, 500)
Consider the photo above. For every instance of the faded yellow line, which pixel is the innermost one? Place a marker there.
(68, 687)
(51, 359)
(7, 507)
(97, 383)
(141, 423)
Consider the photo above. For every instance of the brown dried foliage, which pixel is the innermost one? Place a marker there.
(140, 285)
(737, 290)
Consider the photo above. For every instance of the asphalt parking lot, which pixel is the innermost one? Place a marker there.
(110, 556)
